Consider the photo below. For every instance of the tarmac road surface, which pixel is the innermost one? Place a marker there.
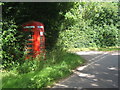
(101, 71)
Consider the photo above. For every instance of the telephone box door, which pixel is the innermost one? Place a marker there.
(36, 39)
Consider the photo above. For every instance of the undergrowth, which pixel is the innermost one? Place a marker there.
(41, 73)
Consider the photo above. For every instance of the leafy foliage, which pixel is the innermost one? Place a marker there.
(47, 13)
(10, 44)
(106, 36)
(16, 13)
(91, 24)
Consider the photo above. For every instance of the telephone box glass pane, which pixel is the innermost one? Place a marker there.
(30, 45)
(30, 53)
(29, 41)
(41, 33)
(42, 42)
(30, 50)
(40, 27)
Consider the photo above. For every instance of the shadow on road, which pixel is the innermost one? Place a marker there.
(101, 71)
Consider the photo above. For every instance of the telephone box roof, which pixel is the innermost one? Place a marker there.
(35, 23)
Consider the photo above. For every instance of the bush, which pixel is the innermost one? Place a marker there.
(11, 49)
(39, 74)
(92, 25)
(106, 36)
(13, 43)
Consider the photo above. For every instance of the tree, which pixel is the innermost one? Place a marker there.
(16, 13)
(91, 25)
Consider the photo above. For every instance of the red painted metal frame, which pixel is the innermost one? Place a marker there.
(38, 38)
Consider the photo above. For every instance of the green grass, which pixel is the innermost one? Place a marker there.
(94, 49)
(108, 49)
(57, 66)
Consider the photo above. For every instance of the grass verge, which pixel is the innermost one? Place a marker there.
(94, 49)
(57, 66)
(108, 49)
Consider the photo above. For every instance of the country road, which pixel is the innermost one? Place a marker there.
(101, 71)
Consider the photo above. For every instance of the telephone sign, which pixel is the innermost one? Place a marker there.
(29, 27)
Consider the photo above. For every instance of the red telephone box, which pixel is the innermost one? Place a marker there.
(36, 39)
